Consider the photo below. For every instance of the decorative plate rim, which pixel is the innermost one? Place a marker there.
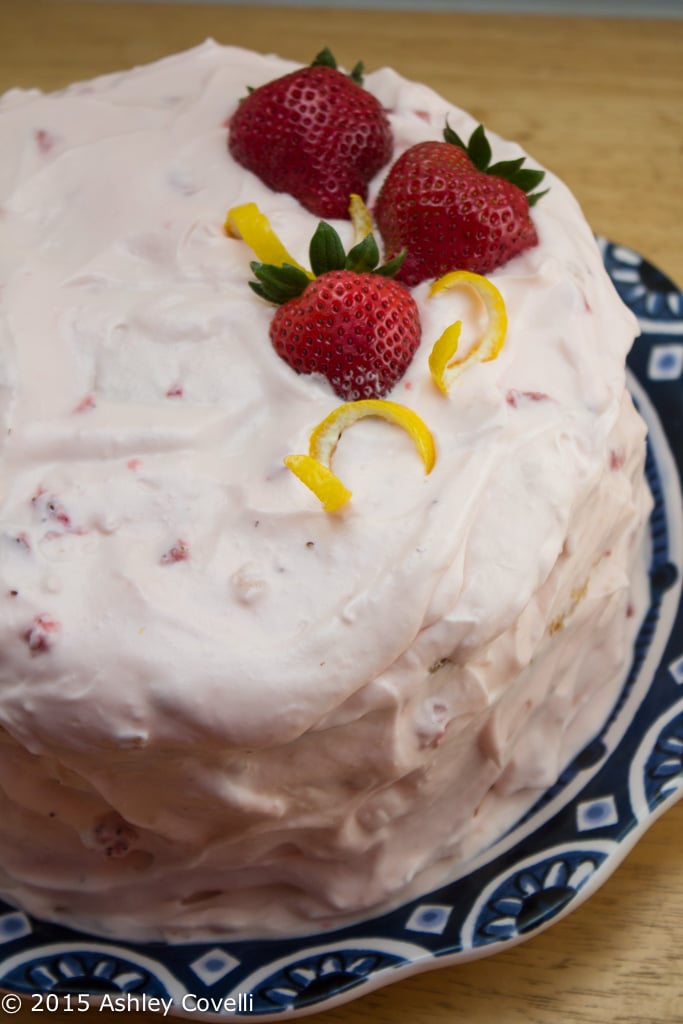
(554, 859)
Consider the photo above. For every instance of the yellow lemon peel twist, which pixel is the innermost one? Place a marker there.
(248, 223)
(443, 365)
(319, 479)
(315, 469)
(360, 217)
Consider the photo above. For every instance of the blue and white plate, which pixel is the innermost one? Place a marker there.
(553, 859)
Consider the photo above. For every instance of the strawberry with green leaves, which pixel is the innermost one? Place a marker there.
(352, 322)
(315, 133)
(452, 209)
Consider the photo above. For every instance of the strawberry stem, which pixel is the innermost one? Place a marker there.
(279, 284)
(326, 59)
(478, 150)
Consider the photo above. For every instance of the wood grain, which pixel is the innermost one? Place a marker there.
(601, 103)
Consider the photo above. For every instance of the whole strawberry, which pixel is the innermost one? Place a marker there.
(315, 133)
(352, 322)
(450, 209)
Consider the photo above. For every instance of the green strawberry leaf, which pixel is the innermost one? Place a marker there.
(392, 267)
(527, 179)
(504, 168)
(479, 149)
(326, 251)
(535, 196)
(450, 135)
(363, 257)
(278, 284)
(259, 289)
(357, 73)
(325, 59)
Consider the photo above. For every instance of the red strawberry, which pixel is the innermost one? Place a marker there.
(450, 209)
(351, 323)
(315, 133)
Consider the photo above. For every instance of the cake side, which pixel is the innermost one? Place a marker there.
(421, 648)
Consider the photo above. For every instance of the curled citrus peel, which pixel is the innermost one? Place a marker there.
(247, 222)
(320, 479)
(360, 217)
(315, 469)
(444, 367)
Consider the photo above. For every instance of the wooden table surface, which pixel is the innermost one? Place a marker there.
(601, 103)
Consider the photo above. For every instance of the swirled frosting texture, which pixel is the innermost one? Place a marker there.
(214, 697)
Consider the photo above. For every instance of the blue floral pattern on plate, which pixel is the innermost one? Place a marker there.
(533, 892)
(554, 857)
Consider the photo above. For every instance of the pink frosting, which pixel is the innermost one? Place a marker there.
(214, 697)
